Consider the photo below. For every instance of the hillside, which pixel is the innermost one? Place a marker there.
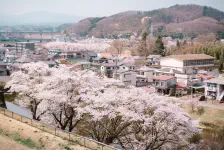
(186, 19)
(25, 137)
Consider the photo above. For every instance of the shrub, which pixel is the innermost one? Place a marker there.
(195, 138)
(200, 110)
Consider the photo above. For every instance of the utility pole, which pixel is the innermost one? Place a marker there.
(151, 30)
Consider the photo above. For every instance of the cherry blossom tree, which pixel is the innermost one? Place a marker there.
(66, 92)
(27, 82)
(102, 108)
(135, 120)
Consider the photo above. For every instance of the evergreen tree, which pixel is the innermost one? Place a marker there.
(142, 48)
(159, 47)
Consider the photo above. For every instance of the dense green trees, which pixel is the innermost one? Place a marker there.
(147, 45)
(215, 50)
(159, 47)
(142, 47)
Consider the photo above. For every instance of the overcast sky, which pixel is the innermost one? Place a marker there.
(87, 8)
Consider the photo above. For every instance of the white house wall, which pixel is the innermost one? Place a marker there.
(171, 63)
(149, 76)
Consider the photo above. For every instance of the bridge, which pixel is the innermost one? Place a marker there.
(30, 35)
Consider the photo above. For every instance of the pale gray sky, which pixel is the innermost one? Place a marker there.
(89, 8)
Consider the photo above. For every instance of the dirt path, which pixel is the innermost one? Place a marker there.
(43, 140)
(8, 144)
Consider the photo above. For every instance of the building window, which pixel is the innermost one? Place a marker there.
(157, 83)
(126, 75)
(116, 76)
(212, 85)
(162, 84)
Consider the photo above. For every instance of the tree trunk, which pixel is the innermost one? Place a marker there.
(34, 110)
(2, 100)
(109, 140)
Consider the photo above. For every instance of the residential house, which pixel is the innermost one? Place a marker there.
(145, 74)
(214, 88)
(166, 71)
(100, 60)
(54, 51)
(127, 77)
(83, 65)
(88, 55)
(118, 59)
(186, 79)
(109, 68)
(51, 63)
(67, 54)
(204, 77)
(128, 66)
(106, 55)
(164, 83)
(153, 60)
(103, 58)
(53, 57)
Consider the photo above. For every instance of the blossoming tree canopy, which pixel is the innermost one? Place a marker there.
(106, 110)
(145, 121)
(28, 82)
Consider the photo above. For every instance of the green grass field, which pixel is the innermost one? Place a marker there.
(210, 115)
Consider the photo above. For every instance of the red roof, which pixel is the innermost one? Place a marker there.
(205, 76)
(107, 55)
(163, 77)
(181, 85)
(76, 68)
(149, 90)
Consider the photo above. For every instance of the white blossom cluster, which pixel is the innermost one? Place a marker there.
(65, 98)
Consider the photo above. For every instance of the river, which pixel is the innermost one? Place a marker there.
(16, 109)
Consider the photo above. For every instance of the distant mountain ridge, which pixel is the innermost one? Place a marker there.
(38, 18)
(185, 20)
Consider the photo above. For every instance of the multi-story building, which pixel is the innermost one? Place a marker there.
(146, 73)
(189, 63)
(109, 68)
(127, 77)
(23, 46)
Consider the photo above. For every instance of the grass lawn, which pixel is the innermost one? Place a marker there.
(210, 115)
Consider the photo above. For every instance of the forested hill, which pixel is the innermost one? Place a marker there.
(189, 20)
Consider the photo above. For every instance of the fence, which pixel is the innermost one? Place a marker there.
(83, 141)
